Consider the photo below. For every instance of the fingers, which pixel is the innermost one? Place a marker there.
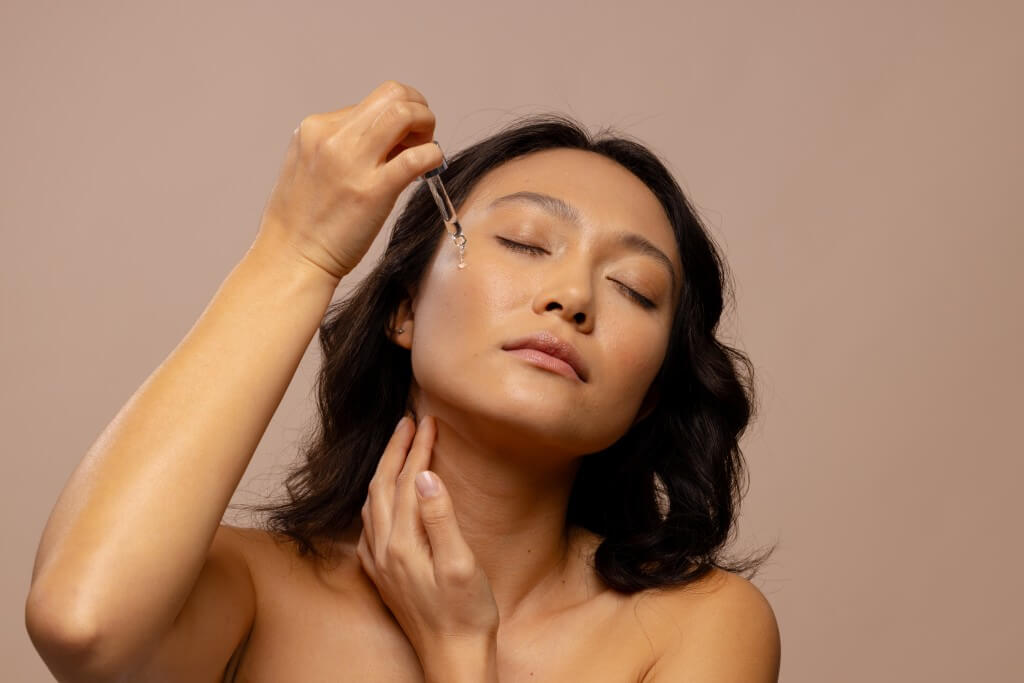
(377, 510)
(391, 101)
(399, 126)
(453, 558)
(397, 129)
(406, 519)
(398, 520)
(393, 458)
(384, 94)
(419, 455)
(411, 163)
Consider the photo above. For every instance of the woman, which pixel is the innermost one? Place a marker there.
(565, 388)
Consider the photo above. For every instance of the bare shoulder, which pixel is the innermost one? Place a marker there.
(260, 548)
(247, 539)
(720, 628)
(276, 565)
(245, 543)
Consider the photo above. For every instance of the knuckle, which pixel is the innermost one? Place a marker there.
(390, 556)
(364, 553)
(310, 132)
(400, 110)
(433, 514)
(332, 144)
(417, 95)
(380, 561)
(309, 125)
(411, 159)
(401, 560)
(392, 88)
(459, 571)
(362, 193)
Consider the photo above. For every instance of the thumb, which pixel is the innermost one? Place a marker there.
(438, 515)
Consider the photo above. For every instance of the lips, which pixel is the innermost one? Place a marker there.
(552, 345)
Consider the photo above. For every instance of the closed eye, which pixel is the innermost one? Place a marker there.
(516, 246)
(639, 298)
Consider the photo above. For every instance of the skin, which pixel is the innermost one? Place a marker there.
(505, 438)
(510, 435)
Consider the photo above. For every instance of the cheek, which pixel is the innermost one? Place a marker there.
(636, 354)
(486, 284)
(459, 314)
(463, 304)
(502, 290)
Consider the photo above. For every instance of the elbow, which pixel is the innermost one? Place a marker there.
(67, 641)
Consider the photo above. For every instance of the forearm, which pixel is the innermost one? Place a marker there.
(128, 535)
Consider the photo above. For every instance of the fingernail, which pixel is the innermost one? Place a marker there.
(401, 423)
(426, 484)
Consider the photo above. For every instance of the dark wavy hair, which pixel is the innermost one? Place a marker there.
(664, 497)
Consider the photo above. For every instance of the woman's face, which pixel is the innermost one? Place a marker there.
(580, 283)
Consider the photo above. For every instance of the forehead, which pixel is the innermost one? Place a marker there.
(606, 196)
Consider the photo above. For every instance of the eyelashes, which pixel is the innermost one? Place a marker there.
(640, 299)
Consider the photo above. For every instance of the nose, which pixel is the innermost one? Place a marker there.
(568, 296)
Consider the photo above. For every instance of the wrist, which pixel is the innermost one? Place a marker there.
(464, 660)
(272, 249)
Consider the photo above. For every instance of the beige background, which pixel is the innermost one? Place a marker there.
(859, 163)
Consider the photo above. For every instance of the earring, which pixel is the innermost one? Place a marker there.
(400, 331)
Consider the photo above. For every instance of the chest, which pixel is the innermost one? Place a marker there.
(314, 633)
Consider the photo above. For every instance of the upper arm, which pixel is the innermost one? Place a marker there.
(732, 637)
(213, 621)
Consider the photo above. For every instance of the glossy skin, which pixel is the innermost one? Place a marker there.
(509, 437)
(413, 550)
(510, 434)
(327, 623)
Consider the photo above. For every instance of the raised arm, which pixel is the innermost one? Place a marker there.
(131, 530)
(131, 533)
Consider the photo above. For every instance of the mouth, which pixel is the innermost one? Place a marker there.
(547, 351)
(543, 360)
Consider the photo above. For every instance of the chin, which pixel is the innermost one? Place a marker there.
(521, 407)
(526, 420)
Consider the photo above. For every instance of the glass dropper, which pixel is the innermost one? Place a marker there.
(433, 180)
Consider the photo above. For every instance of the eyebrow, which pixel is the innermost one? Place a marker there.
(567, 213)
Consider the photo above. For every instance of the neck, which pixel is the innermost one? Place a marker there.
(510, 502)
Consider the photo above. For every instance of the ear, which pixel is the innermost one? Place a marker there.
(650, 402)
(401, 319)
